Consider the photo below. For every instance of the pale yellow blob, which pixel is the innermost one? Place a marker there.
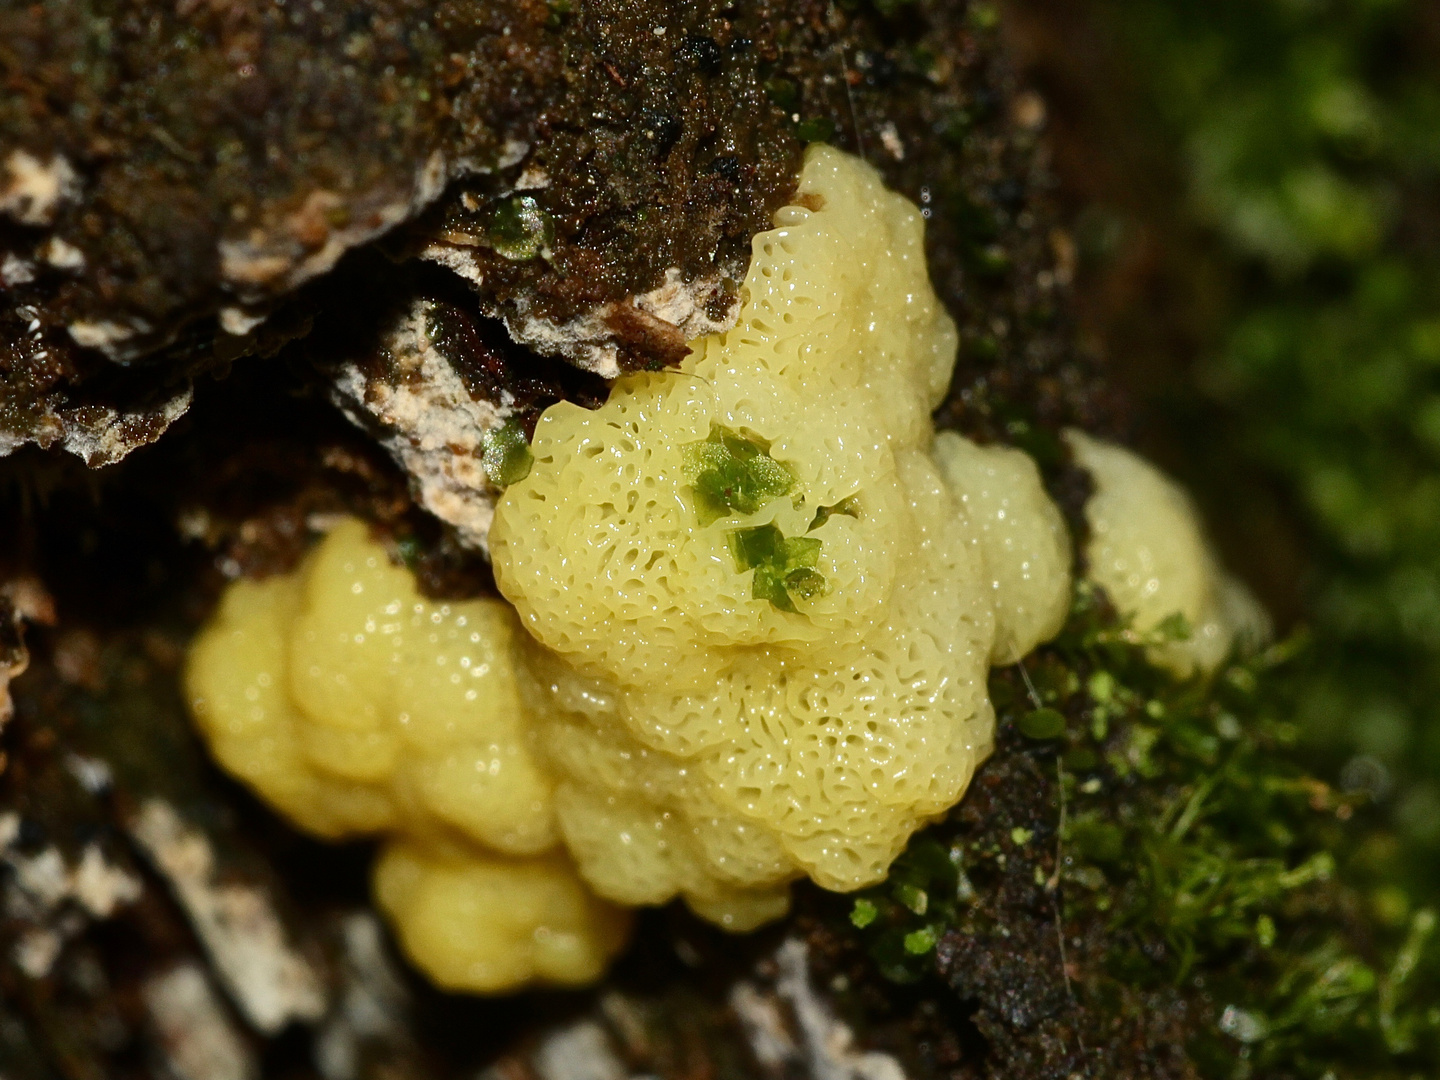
(1149, 553)
(540, 922)
(680, 726)
(709, 743)
(1021, 536)
(356, 706)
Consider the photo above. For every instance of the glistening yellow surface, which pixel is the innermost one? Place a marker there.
(759, 604)
(714, 732)
(1148, 551)
(355, 706)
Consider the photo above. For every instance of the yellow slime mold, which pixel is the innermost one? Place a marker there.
(355, 706)
(758, 606)
(763, 619)
(1149, 552)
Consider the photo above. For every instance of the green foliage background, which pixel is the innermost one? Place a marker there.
(1255, 186)
(1304, 136)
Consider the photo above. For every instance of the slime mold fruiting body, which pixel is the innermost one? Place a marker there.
(1149, 552)
(355, 706)
(755, 603)
(762, 618)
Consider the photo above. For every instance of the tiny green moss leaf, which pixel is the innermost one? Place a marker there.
(847, 507)
(520, 229)
(912, 897)
(733, 474)
(1042, 724)
(507, 457)
(920, 942)
(863, 914)
(784, 566)
(816, 129)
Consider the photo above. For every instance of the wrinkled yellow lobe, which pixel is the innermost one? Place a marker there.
(707, 742)
(755, 603)
(1148, 551)
(355, 706)
(492, 924)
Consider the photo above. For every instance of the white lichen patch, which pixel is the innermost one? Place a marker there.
(371, 1005)
(792, 1027)
(62, 255)
(268, 979)
(53, 896)
(238, 321)
(102, 334)
(1148, 551)
(15, 271)
(198, 1038)
(679, 310)
(309, 241)
(32, 190)
(427, 419)
(579, 1051)
(100, 435)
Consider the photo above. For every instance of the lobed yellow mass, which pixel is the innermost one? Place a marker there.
(1149, 552)
(755, 603)
(762, 614)
(355, 706)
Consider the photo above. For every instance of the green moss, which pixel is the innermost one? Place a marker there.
(816, 129)
(520, 228)
(845, 507)
(1306, 136)
(733, 474)
(784, 565)
(1188, 853)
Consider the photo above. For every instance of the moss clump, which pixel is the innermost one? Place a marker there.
(1224, 913)
(733, 474)
(784, 565)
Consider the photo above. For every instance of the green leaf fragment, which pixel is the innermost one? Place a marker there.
(733, 474)
(1173, 628)
(1265, 931)
(507, 458)
(784, 566)
(815, 129)
(848, 507)
(783, 92)
(920, 942)
(1042, 724)
(912, 897)
(863, 913)
(520, 229)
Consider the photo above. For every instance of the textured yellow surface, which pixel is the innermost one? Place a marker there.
(1149, 553)
(477, 922)
(708, 742)
(356, 706)
(755, 605)
(1021, 536)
